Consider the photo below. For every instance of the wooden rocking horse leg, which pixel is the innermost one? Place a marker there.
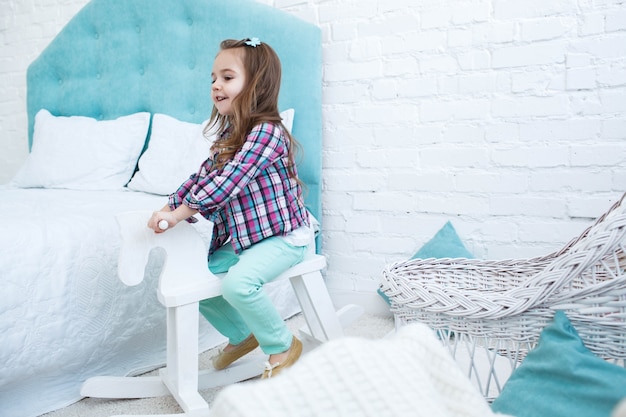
(181, 373)
(179, 377)
(323, 322)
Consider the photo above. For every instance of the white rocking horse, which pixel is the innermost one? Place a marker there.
(185, 280)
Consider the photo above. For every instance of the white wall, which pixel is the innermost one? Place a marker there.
(26, 28)
(507, 117)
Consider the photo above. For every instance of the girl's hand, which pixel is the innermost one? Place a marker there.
(159, 217)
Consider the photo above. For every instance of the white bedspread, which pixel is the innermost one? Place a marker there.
(64, 314)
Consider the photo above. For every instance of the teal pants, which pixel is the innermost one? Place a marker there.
(244, 307)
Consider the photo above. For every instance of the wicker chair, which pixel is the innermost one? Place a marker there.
(490, 313)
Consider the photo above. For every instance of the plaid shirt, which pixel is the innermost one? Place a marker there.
(252, 197)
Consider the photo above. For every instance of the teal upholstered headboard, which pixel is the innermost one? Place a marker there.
(118, 57)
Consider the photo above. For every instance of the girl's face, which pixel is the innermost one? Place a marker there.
(229, 78)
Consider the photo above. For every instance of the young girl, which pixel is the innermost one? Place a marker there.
(250, 189)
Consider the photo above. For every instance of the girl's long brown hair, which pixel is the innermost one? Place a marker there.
(257, 103)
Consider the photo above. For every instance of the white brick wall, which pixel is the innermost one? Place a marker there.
(26, 28)
(507, 117)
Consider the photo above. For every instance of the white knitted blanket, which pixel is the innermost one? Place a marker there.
(408, 374)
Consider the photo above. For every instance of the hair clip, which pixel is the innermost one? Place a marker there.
(253, 42)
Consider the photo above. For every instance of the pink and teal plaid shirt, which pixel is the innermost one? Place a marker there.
(250, 198)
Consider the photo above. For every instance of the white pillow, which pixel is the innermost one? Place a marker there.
(287, 117)
(175, 151)
(82, 153)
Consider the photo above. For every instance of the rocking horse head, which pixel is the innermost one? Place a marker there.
(185, 265)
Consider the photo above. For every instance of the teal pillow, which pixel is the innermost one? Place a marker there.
(445, 244)
(562, 378)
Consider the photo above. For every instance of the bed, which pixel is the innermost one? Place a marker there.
(116, 105)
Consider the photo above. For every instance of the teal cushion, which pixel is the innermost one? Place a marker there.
(445, 244)
(562, 378)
